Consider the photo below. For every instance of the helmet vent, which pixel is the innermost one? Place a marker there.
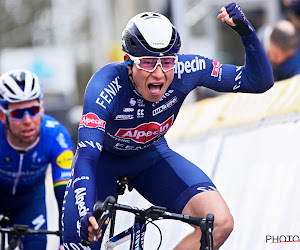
(10, 90)
(33, 84)
(18, 86)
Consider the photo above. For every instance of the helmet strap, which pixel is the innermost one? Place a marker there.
(7, 124)
(8, 127)
(130, 72)
(131, 78)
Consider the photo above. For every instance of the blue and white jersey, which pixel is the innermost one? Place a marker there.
(20, 172)
(116, 118)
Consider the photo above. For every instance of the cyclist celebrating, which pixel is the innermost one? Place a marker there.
(127, 110)
(30, 141)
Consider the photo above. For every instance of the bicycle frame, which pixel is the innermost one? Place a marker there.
(136, 233)
(4, 221)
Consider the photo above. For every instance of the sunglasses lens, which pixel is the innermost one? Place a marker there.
(149, 64)
(19, 113)
(34, 110)
(167, 63)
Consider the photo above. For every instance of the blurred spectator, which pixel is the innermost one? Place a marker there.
(291, 9)
(282, 47)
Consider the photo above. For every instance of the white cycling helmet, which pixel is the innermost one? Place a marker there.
(18, 86)
(150, 34)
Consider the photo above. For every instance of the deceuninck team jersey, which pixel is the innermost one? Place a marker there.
(116, 118)
(19, 172)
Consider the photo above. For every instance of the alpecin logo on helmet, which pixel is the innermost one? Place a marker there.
(145, 132)
(91, 120)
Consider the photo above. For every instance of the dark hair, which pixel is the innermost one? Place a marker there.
(284, 39)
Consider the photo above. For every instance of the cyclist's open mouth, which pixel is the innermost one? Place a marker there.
(155, 88)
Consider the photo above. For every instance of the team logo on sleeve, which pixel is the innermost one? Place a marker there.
(189, 66)
(216, 68)
(91, 120)
(64, 160)
(145, 132)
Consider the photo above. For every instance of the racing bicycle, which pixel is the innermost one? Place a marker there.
(135, 234)
(17, 232)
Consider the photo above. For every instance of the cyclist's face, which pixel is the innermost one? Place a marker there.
(277, 56)
(22, 133)
(151, 85)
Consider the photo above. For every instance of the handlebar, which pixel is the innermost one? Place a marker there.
(102, 210)
(21, 230)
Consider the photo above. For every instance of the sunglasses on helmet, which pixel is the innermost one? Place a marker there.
(149, 63)
(19, 114)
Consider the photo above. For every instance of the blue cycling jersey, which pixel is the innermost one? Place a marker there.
(22, 177)
(117, 119)
(19, 172)
(289, 68)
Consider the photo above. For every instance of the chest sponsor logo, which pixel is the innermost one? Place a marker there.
(193, 65)
(146, 131)
(140, 113)
(140, 103)
(91, 120)
(124, 117)
(7, 159)
(165, 106)
(216, 68)
(127, 110)
(132, 102)
(166, 95)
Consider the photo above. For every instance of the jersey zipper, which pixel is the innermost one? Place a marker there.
(18, 174)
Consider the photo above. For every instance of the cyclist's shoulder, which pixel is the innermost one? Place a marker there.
(193, 60)
(110, 74)
(108, 87)
(54, 136)
(51, 126)
(191, 63)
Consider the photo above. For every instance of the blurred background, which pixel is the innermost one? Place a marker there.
(65, 42)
